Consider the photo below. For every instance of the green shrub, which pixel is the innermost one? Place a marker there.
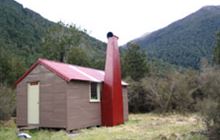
(210, 107)
(138, 100)
(7, 102)
(171, 92)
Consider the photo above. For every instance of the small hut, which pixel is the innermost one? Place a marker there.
(58, 95)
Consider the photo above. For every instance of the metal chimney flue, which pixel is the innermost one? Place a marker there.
(112, 99)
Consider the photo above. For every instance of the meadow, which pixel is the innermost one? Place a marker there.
(139, 127)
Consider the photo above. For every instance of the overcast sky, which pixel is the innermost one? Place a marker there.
(127, 19)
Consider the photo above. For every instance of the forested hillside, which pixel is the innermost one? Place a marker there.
(21, 29)
(185, 41)
(24, 37)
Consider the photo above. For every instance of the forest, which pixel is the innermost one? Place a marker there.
(186, 41)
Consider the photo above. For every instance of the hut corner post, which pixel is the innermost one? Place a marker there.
(112, 99)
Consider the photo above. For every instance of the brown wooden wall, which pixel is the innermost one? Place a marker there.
(81, 113)
(125, 102)
(52, 107)
(21, 104)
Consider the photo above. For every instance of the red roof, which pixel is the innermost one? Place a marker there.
(69, 72)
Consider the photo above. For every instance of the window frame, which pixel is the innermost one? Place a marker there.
(98, 92)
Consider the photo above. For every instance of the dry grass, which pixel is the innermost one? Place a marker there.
(149, 127)
(139, 127)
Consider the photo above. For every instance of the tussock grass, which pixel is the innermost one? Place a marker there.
(149, 127)
(139, 127)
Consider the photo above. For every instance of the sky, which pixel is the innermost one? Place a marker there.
(128, 19)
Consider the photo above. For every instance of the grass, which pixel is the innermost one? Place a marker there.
(139, 127)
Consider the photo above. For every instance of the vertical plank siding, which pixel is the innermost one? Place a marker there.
(81, 112)
(52, 98)
(21, 104)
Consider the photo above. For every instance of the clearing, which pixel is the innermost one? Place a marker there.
(139, 127)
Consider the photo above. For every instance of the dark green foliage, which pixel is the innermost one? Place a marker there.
(66, 43)
(22, 26)
(21, 29)
(160, 68)
(217, 50)
(58, 40)
(11, 67)
(134, 62)
(186, 41)
(7, 102)
(25, 36)
(139, 100)
(78, 56)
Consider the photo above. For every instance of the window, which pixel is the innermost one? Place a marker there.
(94, 92)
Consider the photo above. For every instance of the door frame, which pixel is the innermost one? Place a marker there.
(29, 84)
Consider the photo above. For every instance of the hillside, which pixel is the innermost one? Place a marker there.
(23, 28)
(22, 32)
(185, 41)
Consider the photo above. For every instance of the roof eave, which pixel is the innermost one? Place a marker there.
(39, 61)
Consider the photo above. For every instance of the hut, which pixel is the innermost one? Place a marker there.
(58, 95)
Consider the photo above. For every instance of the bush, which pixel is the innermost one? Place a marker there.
(7, 103)
(210, 107)
(171, 92)
(187, 91)
(138, 98)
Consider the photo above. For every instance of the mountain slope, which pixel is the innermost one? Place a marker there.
(20, 25)
(185, 41)
(22, 30)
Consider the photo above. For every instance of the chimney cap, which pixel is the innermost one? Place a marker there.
(110, 34)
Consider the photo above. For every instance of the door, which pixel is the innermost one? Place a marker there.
(33, 103)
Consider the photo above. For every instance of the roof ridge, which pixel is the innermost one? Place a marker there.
(43, 59)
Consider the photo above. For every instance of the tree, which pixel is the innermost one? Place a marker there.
(59, 39)
(11, 67)
(217, 49)
(135, 62)
(78, 56)
(7, 102)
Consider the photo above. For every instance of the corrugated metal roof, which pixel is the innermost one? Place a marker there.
(69, 72)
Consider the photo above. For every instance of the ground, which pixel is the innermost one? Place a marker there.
(139, 127)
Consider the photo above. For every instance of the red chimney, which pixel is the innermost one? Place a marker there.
(112, 101)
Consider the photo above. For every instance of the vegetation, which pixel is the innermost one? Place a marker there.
(7, 103)
(182, 91)
(25, 36)
(139, 126)
(210, 106)
(185, 41)
(189, 91)
(154, 84)
(58, 40)
(134, 62)
(217, 49)
(11, 67)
